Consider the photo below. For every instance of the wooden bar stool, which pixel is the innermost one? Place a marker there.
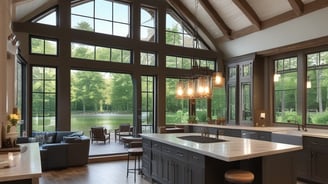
(238, 176)
(135, 151)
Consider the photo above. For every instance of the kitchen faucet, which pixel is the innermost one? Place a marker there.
(303, 126)
(205, 132)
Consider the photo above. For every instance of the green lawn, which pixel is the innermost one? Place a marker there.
(83, 122)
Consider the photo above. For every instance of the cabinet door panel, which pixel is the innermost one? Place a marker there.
(156, 165)
(302, 161)
(320, 165)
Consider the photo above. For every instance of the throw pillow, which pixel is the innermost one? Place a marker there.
(76, 134)
(50, 137)
(68, 139)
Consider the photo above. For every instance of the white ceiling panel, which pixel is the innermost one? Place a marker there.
(266, 9)
(307, 1)
(230, 14)
(203, 17)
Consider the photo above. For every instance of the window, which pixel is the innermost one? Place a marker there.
(177, 111)
(21, 92)
(232, 103)
(91, 52)
(187, 63)
(102, 16)
(148, 24)
(44, 98)
(180, 35)
(48, 18)
(317, 102)
(178, 62)
(285, 90)
(219, 104)
(148, 100)
(148, 59)
(100, 99)
(43, 46)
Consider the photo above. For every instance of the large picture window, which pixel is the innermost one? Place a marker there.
(100, 99)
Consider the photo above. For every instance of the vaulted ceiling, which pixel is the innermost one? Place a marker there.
(229, 25)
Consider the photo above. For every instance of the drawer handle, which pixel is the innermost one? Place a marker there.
(195, 158)
(180, 154)
(314, 142)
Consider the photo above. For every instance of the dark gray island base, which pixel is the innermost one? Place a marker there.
(169, 159)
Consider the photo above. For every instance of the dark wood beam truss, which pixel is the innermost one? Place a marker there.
(298, 6)
(249, 12)
(216, 18)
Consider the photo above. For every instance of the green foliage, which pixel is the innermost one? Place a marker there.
(172, 36)
(87, 89)
(319, 118)
(122, 93)
(84, 26)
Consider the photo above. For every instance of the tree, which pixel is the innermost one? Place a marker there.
(88, 89)
(122, 93)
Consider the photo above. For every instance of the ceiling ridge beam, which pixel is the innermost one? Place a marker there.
(179, 7)
(216, 18)
(248, 12)
(298, 6)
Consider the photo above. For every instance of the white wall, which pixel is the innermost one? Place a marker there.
(307, 27)
(6, 65)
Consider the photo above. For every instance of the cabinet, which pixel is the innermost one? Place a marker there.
(173, 165)
(246, 89)
(312, 161)
(146, 158)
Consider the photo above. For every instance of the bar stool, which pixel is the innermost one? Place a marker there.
(135, 150)
(238, 176)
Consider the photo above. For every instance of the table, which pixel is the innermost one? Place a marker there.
(26, 165)
(128, 139)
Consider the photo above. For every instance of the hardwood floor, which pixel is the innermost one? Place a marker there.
(113, 172)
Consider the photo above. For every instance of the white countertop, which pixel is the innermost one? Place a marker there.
(312, 132)
(232, 150)
(263, 129)
(26, 164)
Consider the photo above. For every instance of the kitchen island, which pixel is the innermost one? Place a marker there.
(24, 166)
(170, 159)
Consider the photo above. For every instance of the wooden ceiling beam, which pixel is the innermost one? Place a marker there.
(284, 17)
(179, 7)
(216, 18)
(249, 12)
(298, 6)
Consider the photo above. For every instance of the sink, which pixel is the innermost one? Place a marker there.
(201, 139)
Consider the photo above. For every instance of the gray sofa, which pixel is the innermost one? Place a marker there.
(62, 149)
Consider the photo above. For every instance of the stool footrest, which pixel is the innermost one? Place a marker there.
(238, 176)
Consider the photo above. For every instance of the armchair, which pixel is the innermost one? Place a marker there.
(123, 130)
(99, 134)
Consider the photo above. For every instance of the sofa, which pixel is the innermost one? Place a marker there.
(62, 149)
